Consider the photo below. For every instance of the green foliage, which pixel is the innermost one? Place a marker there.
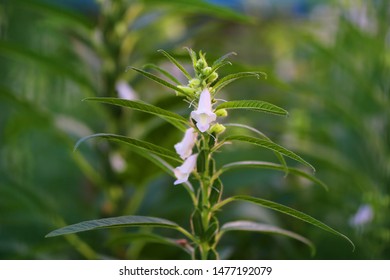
(268, 144)
(175, 119)
(205, 230)
(134, 143)
(328, 66)
(254, 105)
(264, 228)
(124, 221)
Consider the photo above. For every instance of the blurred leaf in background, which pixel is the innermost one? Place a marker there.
(327, 64)
(52, 55)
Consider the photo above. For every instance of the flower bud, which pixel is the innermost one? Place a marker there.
(188, 91)
(217, 128)
(221, 113)
(194, 83)
(206, 71)
(213, 76)
(201, 63)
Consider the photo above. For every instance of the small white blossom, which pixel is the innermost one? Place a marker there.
(125, 91)
(204, 115)
(184, 148)
(363, 216)
(183, 172)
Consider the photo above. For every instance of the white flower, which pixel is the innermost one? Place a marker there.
(183, 172)
(363, 216)
(125, 91)
(184, 148)
(204, 115)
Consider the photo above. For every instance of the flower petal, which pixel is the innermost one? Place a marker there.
(184, 147)
(204, 114)
(183, 172)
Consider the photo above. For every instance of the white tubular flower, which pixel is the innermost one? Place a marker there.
(204, 115)
(183, 172)
(184, 148)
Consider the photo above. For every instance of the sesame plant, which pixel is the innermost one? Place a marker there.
(192, 163)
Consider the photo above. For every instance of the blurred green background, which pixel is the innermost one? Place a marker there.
(327, 64)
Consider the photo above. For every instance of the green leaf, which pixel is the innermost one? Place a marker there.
(55, 12)
(159, 80)
(262, 135)
(264, 228)
(50, 63)
(173, 118)
(232, 77)
(222, 59)
(271, 165)
(203, 7)
(254, 105)
(134, 143)
(285, 210)
(178, 65)
(123, 221)
(193, 56)
(162, 71)
(152, 238)
(268, 144)
(220, 62)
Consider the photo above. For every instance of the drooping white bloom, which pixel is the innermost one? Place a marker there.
(204, 115)
(184, 148)
(183, 171)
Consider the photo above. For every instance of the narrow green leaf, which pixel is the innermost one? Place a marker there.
(193, 56)
(159, 80)
(285, 210)
(173, 118)
(219, 65)
(178, 65)
(264, 228)
(232, 77)
(268, 144)
(220, 62)
(222, 59)
(254, 105)
(162, 71)
(273, 166)
(204, 7)
(152, 238)
(123, 221)
(262, 135)
(134, 143)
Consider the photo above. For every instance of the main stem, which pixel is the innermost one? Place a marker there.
(205, 202)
